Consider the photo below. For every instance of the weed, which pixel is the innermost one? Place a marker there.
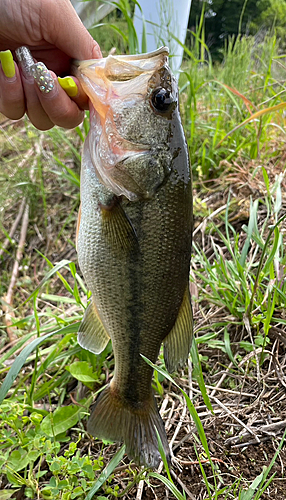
(234, 119)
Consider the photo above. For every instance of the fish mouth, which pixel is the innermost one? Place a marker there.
(115, 64)
(106, 79)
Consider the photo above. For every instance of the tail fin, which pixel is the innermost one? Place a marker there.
(111, 419)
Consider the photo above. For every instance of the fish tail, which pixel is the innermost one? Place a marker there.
(112, 420)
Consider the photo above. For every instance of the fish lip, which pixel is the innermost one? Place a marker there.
(114, 65)
(129, 57)
(145, 55)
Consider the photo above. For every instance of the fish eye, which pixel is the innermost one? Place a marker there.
(162, 100)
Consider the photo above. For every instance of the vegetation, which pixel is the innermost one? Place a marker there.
(226, 433)
(225, 19)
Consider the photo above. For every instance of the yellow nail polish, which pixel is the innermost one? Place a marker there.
(69, 85)
(7, 63)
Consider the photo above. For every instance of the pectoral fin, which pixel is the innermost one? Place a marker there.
(116, 227)
(177, 344)
(92, 334)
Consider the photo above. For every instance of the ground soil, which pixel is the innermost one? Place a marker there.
(246, 403)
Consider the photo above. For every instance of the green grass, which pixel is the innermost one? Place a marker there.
(216, 99)
(237, 282)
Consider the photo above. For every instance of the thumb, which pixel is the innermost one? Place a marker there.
(62, 27)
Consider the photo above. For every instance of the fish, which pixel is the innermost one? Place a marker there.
(134, 240)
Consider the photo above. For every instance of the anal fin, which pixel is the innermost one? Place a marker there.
(177, 344)
(92, 335)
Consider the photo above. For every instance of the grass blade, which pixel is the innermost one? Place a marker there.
(106, 472)
(266, 472)
(53, 271)
(198, 375)
(21, 359)
(169, 485)
(248, 494)
(256, 115)
(251, 226)
(190, 405)
(163, 455)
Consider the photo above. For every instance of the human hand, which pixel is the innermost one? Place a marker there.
(55, 35)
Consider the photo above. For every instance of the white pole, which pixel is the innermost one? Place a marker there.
(92, 12)
(164, 18)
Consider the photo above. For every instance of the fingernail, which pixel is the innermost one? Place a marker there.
(25, 60)
(7, 63)
(38, 70)
(43, 77)
(69, 85)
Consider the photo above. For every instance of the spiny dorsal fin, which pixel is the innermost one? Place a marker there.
(177, 344)
(92, 334)
(116, 227)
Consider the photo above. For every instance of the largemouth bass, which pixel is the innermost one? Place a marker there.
(134, 240)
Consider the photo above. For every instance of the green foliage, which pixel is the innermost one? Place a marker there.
(83, 372)
(273, 17)
(125, 38)
(244, 286)
(25, 441)
(225, 19)
(106, 472)
(170, 485)
(231, 112)
(61, 420)
(231, 109)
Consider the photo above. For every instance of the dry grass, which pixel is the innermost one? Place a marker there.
(247, 392)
